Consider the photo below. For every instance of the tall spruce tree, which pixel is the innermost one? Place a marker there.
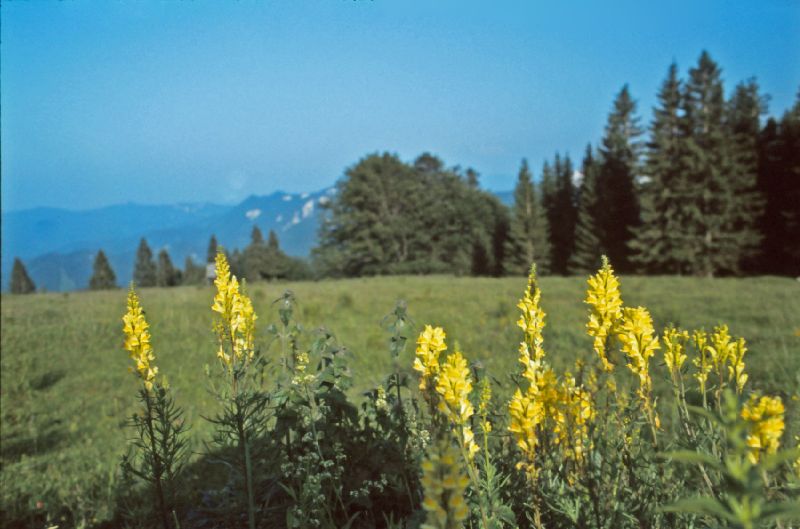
(166, 274)
(103, 276)
(193, 274)
(256, 237)
(713, 226)
(562, 214)
(659, 243)
(588, 249)
(528, 240)
(144, 269)
(21, 282)
(618, 170)
(743, 119)
(779, 182)
(211, 253)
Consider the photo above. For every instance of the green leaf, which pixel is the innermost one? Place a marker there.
(707, 506)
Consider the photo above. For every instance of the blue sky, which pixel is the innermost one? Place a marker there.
(162, 102)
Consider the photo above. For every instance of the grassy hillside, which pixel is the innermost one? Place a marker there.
(66, 391)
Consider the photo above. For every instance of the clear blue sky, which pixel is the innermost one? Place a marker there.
(161, 102)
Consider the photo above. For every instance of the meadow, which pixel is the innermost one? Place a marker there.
(67, 391)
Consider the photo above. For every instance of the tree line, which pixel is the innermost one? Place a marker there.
(260, 260)
(706, 190)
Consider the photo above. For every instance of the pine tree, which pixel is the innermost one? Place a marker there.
(144, 269)
(659, 244)
(21, 282)
(256, 237)
(193, 274)
(618, 170)
(272, 241)
(713, 223)
(562, 214)
(588, 249)
(527, 241)
(743, 127)
(166, 274)
(103, 276)
(211, 254)
(779, 181)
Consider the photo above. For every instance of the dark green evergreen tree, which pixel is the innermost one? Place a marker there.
(193, 274)
(256, 237)
(713, 229)
(659, 243)
(166, 274)
(743, 118)
(561, 212)
(211, 253)
(21, 282)
(103, 276)
(272, 241)
(618, 168)
(144, 269)
(585, 258)
(528, 240)
(779, 182)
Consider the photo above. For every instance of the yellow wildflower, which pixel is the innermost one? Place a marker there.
(483, 404)
(430, 345)
(720, 348)
(703, 361)
(736, 365)
(454, 384)
(606, 308)
(137, 341)
(765, 421)
(636, 334)
(526, 414)
(236, 325)
(572, 414)
(675, 345)
(531, 321)
(445, 484)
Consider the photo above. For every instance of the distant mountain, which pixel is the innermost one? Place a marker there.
(58, 245)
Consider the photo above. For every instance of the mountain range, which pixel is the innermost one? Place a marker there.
(58, 246)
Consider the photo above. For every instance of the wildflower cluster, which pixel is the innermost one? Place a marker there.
(722, 354)
(430, 345)
(675, 349)
(545, 404)
(454, 384)
(764, 416)
(445, 484)
(235, 327)
(606, 308)
(137, 341)
(637, 337)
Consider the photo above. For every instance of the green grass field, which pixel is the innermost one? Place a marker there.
(67, 392)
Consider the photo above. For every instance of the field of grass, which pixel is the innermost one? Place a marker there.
(67, 393)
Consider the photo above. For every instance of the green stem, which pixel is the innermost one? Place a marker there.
(157, 467)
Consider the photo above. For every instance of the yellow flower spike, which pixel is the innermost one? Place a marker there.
(236, 326)
(764, 416)
(526, 414)
(636, 335)
(736, 365)
(605, 301)
(137, 341)
(674, 349)
(445, 484)
(531, 321)
(483, 405)
(430, 344)
(703, 361)
(454, 384)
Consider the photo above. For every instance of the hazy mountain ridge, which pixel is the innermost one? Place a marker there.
(58, 246)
